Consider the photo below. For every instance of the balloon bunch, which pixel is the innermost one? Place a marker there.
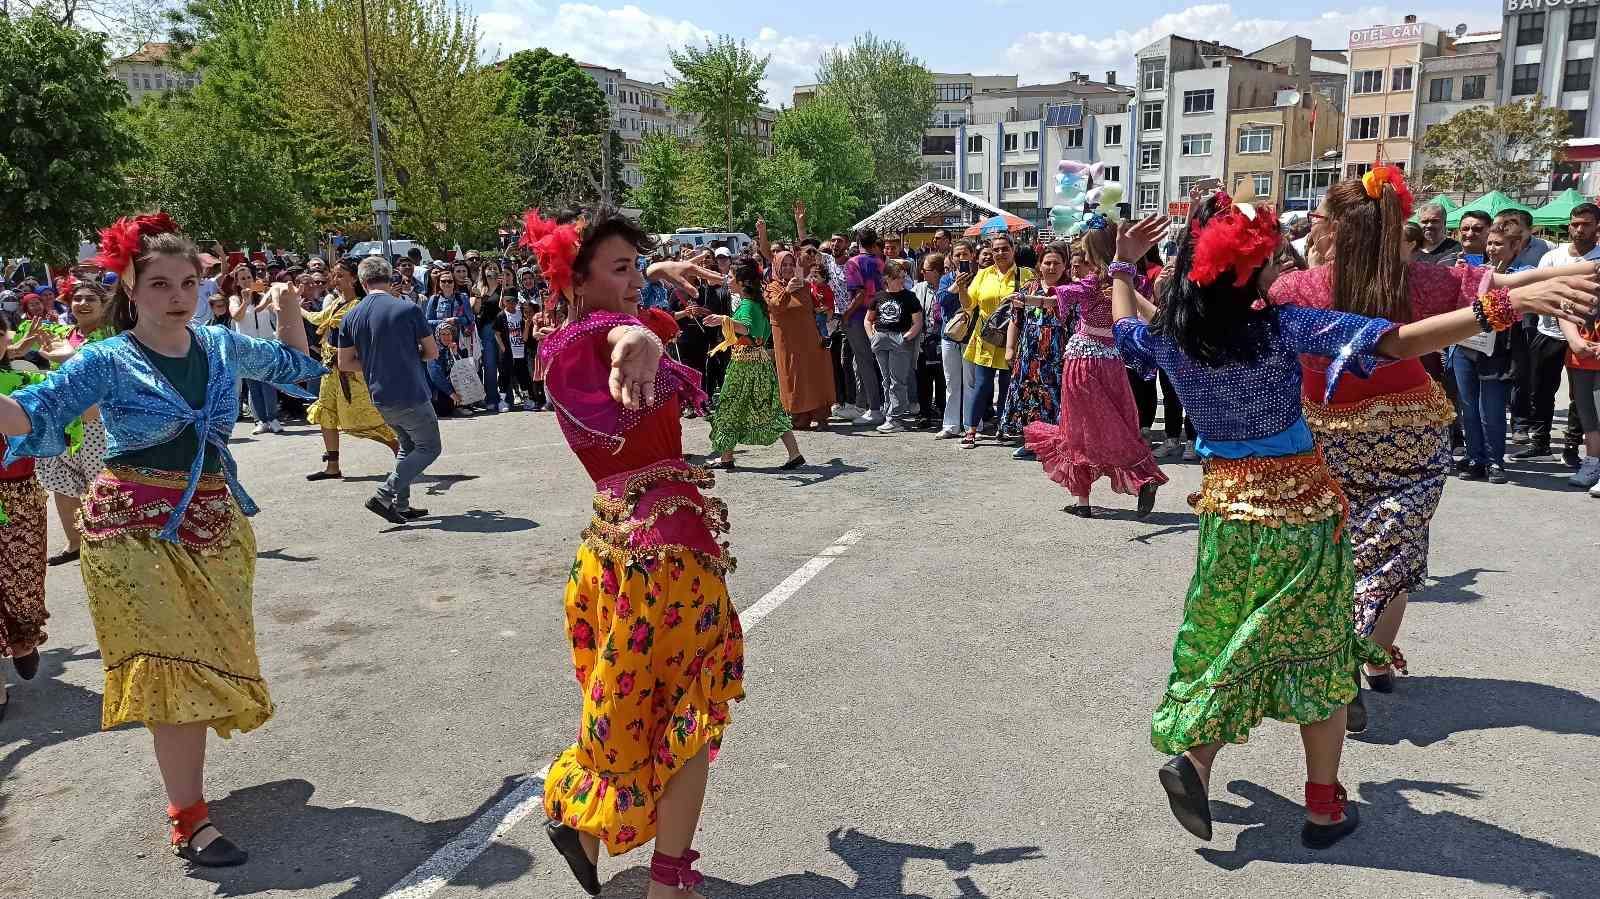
(1076, 188)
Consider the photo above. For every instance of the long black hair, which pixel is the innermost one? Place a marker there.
(1215, 325)
(353, 266)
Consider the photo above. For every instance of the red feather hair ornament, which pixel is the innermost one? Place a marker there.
(119, 244)
(555, 246)
(1233, 240)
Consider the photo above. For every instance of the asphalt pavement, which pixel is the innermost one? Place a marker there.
(952, 702)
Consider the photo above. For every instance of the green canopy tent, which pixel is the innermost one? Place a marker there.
(1557, 212)
(1494, 202)
(1443, 200)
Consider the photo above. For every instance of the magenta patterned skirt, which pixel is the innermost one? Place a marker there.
(1098, 435)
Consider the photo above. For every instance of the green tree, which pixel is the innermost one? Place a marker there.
(820, 133)
(564, 121)
(61, 149)
(720, 84)
(888, 95)
(660, 196)
(785, 178)
(1509, 148)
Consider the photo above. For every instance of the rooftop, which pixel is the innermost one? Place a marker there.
(150, 51)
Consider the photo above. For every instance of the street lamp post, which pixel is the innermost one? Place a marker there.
(382, 206)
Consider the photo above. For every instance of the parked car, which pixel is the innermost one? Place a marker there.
(736, 241)
(396, 248)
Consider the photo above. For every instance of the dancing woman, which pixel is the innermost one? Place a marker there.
(749, 407)
(343, 401)
(656, 644)
(1266, 632)
(166, 542)
(1386, 438)
(1034, 347)
(1098, 433)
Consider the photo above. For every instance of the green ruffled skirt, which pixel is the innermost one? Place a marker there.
(749, 410)
(1266, 633)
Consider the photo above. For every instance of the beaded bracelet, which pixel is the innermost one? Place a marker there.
(1483, 320)
(1122, 268)
(653, 337)
(1494, 310)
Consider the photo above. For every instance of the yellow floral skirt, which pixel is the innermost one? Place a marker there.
(174, 622)
(354, 415)
(659, 654)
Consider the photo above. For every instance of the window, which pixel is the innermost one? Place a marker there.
(1112, 173)
(1151, 117)
(938, 145)
(1364, 127)
(953, 92)
(1525, 79)
(1357, 169)
(1368, 81)
(1009, 143)
(1113, 136)
(1400, 125)
(1530, 29)
(1153, 75)
(1199, 101)
(1009, 180)
(1577, 122)
(1030, 178)
(1581, 23)
(1441, 90)
(1577, 74)
(1196, 144)
(1255, 139)
(974, 182)
(1263, 183)
(1402, 79)
(1150, 157)
(1030, 140)
(1074, 137)
(942, 171)
(975, 144)
(1185, 182)
(1474, 87)
(1149, 195)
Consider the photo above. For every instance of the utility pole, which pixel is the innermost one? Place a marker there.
(605, 168)
(382, 206)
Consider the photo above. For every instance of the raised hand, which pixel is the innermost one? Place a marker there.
(1133, 241)
(1569, 297)
(682, 274)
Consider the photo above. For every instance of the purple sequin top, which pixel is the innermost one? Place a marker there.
(1239, 402)
(1090, 301)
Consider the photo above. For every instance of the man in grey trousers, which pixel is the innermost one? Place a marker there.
(388, 340)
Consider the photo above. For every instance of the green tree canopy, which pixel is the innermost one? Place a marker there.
(61, 149)
(564, 121)
(820, 133)
(1508, 148)
(888, 95)
(660, 196)
(720, 84)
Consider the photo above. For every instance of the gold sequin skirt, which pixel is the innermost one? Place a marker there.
(354, 414)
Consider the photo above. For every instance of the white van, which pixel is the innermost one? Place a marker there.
(396, 248)
(736, 241)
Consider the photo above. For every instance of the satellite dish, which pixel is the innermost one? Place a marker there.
(1461, 29)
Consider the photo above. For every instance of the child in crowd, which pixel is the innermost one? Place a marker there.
(894, 325)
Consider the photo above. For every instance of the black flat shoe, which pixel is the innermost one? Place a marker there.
(1080, 511)
(1381, 683)
(1356, 715)
(325, 476)
(413, 513)
(566, 841)
(1186, 793)
(27, 666)
(387, 513)
(792, 464)
(62, 558)
(1147, 500)
(219, 853)
(1321, 836)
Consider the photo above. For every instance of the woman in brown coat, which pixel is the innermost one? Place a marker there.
(805, 370)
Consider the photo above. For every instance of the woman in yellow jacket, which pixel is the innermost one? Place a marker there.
(982, 297)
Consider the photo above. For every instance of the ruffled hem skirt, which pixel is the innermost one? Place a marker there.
(1098, 435)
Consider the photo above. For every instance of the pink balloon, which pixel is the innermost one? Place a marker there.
(1072, 167)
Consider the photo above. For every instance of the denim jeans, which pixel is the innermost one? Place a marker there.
(1483, 411)
(491, 371)
(418, 431)
(955, 384)
(263, 400)
(980, 402)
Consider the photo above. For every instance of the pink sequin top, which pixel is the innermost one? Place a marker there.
(1434, 289)
(1090, 301)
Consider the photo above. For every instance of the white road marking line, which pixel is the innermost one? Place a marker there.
(453, 857)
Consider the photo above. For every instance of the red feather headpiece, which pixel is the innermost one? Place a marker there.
(1233, 239)
(119, 244)
(554, 246)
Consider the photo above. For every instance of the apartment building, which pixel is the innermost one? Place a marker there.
(1187, 92)
(1549, 51)
(1286, 153)
(149, 71)
(1382, 110)
(1465, 77)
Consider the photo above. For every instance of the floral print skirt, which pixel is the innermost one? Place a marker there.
(1035, 391)
(659, 654)
(22, 566)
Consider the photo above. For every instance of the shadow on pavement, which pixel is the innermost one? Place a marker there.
(295, 845)
(810, 475)
(1452, 588)
(437, 484)
(1159, 518)
(1395, 836)
(45, 712)
(472, 521)
(1437, 707)
(879, 866)
(282, 555)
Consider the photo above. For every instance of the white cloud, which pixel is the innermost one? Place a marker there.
(1052, 55)
(629, 38)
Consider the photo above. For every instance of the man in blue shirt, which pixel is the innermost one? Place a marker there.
(387, 339)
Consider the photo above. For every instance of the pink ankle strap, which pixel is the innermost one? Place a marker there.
(676, 871)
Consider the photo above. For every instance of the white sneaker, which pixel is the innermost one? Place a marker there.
(1169, 448)
(847, 411)
(1595, 491)
(276, 426)
(872, 417)
(1189, 455)
(888, 427)
(505, 406)
(261, 428)
(1588, 473)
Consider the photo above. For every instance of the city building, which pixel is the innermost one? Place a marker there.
(1287, 154)
(1183, 125)
(1383, 108)
(149, 71)
(1549, 51)
(1465, 77)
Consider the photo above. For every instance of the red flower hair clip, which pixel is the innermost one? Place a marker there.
(555, 247)
(1239, 237)
(1382, 174)
(119, 244)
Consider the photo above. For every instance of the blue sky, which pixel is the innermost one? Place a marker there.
(1039, 41)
